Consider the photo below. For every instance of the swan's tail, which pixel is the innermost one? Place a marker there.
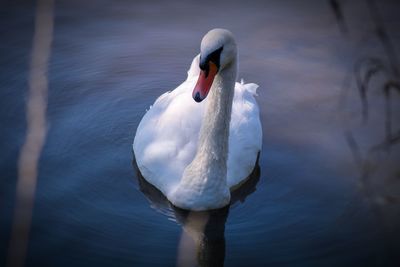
(247, 87)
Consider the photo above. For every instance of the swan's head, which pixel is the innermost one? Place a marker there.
(217, 51)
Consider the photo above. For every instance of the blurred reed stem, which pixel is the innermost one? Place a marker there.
(36, 133)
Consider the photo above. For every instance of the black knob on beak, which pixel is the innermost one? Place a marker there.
(197, 97)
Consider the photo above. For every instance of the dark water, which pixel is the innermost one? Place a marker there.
(306, 204)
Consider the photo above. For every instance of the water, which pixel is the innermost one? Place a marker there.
(110, 61)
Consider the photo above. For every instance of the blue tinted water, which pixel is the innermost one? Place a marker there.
(110, 61)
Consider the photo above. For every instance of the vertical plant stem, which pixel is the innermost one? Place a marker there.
(36, 133)
(383, 37)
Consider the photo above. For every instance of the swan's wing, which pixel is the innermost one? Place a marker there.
(167, 136)
(245, 136)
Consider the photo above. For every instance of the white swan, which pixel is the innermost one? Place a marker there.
(195, 153)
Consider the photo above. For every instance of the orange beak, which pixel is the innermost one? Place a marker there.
(204, 82)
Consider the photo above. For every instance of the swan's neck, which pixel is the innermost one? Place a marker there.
(212, 150)
(204, 180)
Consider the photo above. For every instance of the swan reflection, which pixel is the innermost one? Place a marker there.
(202, 242)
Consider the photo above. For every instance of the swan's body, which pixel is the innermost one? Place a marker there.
(194, 153)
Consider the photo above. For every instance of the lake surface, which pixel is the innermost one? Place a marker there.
(308, 203)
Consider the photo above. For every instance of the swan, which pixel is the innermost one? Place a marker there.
(200, 141)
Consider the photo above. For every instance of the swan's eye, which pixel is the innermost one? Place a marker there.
(214, 57)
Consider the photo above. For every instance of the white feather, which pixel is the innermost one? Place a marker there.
(166, 139)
